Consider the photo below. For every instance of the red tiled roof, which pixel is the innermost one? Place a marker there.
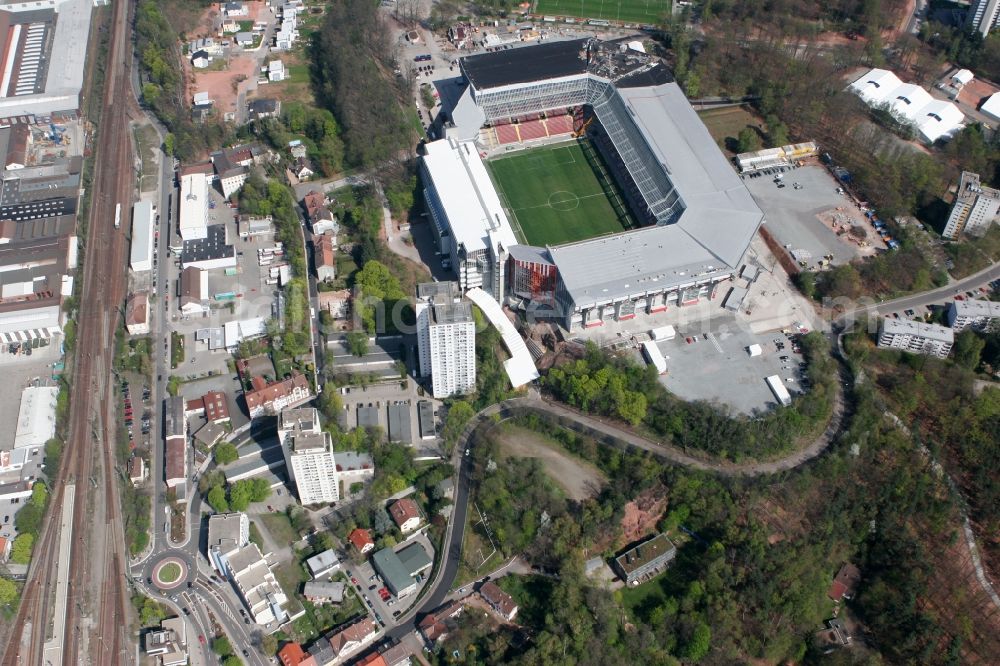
(360, 538)
(403, 510)
(216, 406)
(497, 598)
(195, 405)
(269, 393)
(373, 659)
(175, 458)
(292, 654)
(203, 168)
(324, 254)
(355, 633)
(136, 310)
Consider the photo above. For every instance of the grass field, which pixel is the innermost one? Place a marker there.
(555, 196)
(626, 11)
(725, 125)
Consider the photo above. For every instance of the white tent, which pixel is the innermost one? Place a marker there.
(754, 350)
(991, 107)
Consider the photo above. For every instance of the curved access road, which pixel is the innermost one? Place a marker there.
(607, 432)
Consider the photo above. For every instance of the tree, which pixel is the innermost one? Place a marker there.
(221, 646)
(968, 349)
(269, 644)
(217, 499)
(151, 613)
(39, 495)
(29, 519)
(357, 343)
(329, 403)
(8, 592)
(459, 414)
(699, 643)
(748, 140)
(20, 551)
(232, 660)
(225, 453)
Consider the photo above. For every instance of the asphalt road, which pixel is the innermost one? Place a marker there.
(937, 296)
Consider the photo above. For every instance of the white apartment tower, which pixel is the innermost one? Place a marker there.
(916, 337)
(446, 339)
(308, 455)
(975, 207)
(982, 16)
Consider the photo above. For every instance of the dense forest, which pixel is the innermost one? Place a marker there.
(616, 386)
(354, 65)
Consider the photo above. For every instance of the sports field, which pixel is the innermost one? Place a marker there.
(625, 11)
(555, 196)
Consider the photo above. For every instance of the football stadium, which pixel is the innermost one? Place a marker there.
(575, 182)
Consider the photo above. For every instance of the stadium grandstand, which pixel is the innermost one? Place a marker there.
(43, 46)
(695, 217)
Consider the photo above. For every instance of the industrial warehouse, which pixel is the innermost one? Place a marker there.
(678, 218)
(43, 46)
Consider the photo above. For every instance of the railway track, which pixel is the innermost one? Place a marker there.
(88, 460)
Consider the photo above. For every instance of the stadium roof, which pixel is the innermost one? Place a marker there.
(469, 199)
(712, 234)
(520, 367)
(521, 65)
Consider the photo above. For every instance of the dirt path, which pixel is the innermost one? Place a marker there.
(579, 479)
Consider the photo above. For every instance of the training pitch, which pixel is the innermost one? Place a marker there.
(554, 195)
(625, 11)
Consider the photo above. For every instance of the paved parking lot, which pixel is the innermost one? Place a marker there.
(19, 372)
(790, 214)
(368, 579)
(717, 368)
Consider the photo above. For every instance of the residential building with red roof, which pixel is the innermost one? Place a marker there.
(292, 654)
(271, 398)
(324, 257)
(406, 514)
(353, 638)
(361, 539)
(499, 601)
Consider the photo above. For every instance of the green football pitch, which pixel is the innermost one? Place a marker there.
(555, 196)
(626, 11)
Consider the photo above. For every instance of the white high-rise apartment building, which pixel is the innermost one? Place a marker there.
(982, 16)
(309, 456)
(446, 339)
(975, 208)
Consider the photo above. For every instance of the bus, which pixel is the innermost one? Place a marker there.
(118, 216)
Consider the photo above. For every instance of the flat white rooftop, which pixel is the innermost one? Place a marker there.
(467, 194)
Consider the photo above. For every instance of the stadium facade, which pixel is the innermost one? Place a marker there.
(696, 217)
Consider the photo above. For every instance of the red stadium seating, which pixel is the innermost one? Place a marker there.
(533, 129)
(507, 134)
(559, 125)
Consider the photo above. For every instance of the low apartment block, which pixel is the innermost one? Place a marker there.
(916, 337)
(980, 315)
(644, 559)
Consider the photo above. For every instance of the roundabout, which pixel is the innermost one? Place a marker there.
(169, 573)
